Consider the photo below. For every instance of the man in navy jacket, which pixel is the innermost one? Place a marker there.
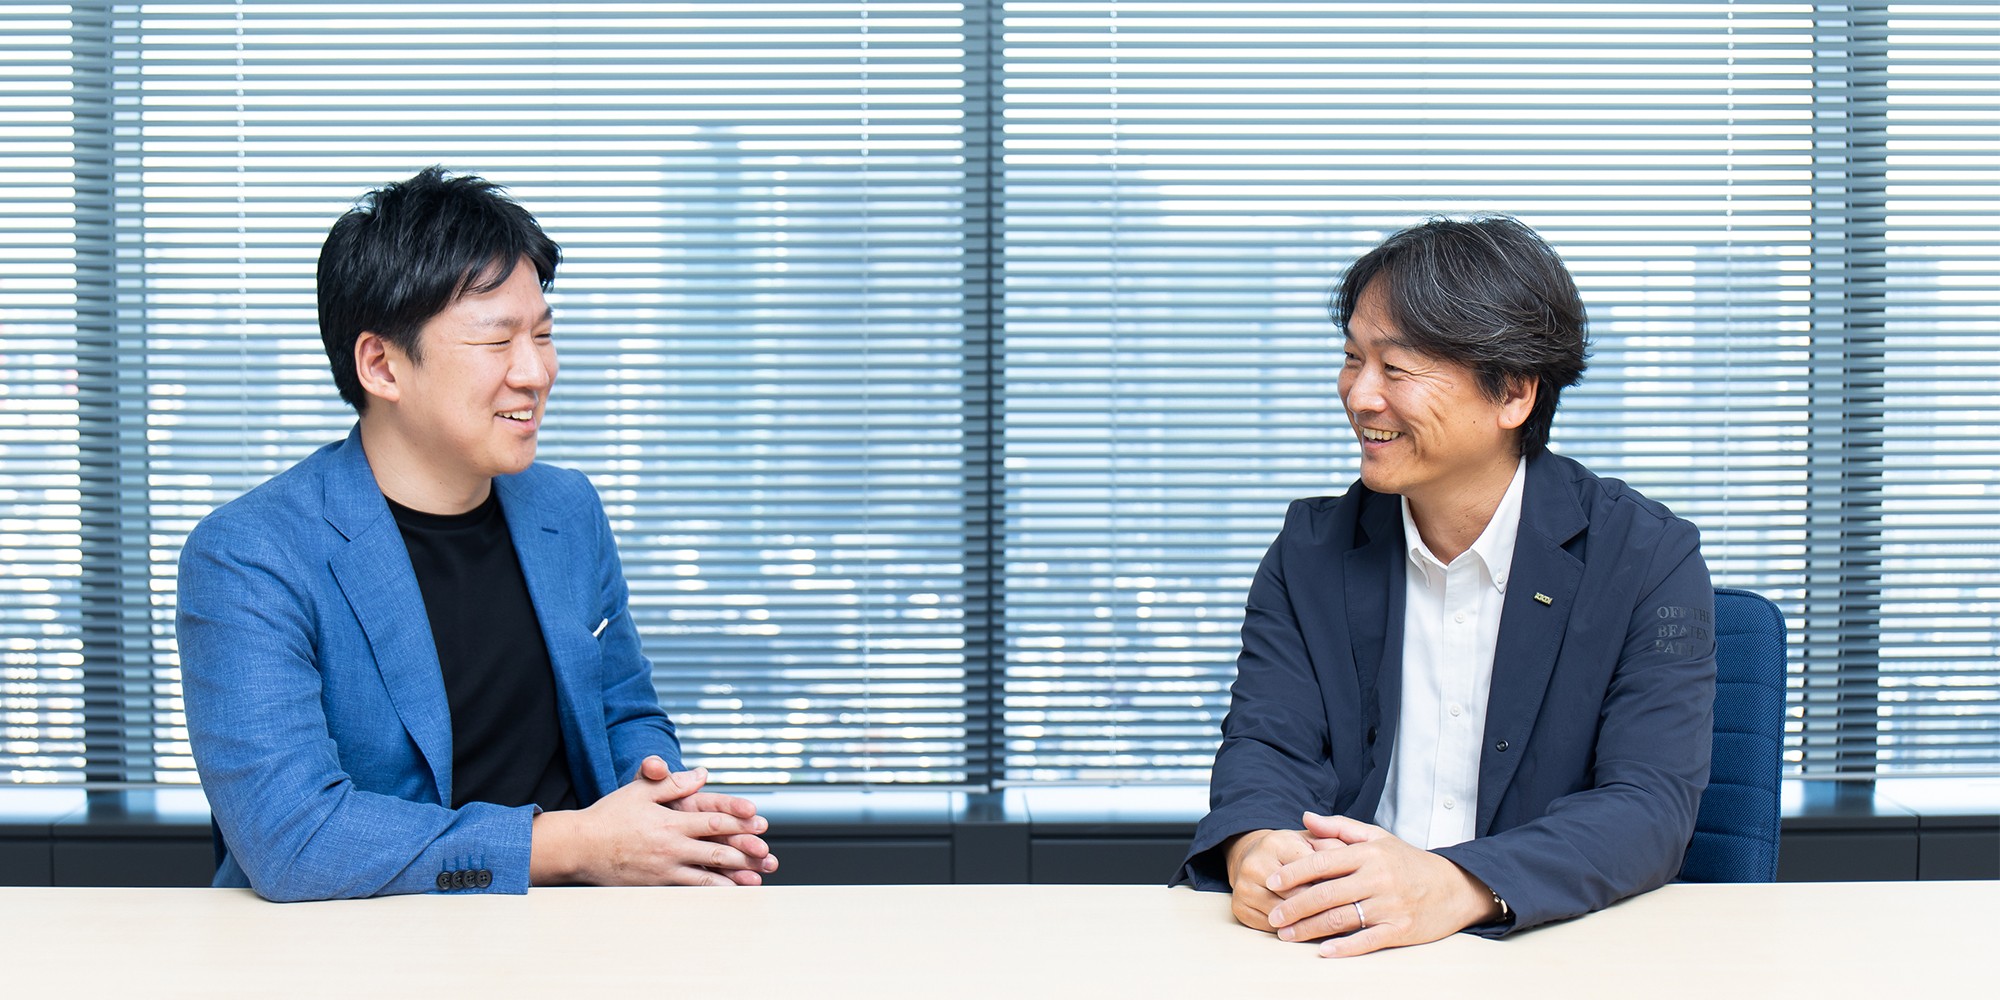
(1476, 691)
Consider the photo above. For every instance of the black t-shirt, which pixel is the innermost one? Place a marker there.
(506, 742)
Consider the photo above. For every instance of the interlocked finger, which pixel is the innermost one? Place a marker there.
(1318, 865)
(687, 875)
(717, 856)
(1375, 938)
(714, 802)
(755, 849)
(1335, 918)
(714, 824)
(1251, 906)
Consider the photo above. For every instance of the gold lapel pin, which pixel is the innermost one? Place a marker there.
(1544, 598)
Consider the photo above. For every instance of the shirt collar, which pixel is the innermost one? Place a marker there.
(1494, 548)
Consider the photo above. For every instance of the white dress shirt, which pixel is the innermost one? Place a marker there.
(1451, 623)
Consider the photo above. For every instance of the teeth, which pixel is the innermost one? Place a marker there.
(1371, 434)
(520, 415)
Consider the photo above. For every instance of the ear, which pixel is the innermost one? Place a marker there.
(376, 362)
(1518, 403)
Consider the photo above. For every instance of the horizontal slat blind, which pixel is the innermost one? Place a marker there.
(1922, 411)
(1793, 339)
(1168, 370)
(946, 367)
(759, 318)
(41, 642)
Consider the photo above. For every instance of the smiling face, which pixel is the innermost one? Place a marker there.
(1427, 430)
(471, 408)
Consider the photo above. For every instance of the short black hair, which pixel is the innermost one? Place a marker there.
(405, 252)
(1486, 293)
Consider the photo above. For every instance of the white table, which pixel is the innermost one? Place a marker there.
(1685, 942)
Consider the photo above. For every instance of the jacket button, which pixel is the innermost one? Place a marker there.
(1371, 734)
(485, 878)
(1500, 746)
(444, 881)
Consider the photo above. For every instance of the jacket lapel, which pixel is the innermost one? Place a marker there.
(546, 563)
(1374, 577)
(374, 574)
(1531, 629)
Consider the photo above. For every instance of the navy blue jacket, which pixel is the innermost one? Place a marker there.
(1598, 722)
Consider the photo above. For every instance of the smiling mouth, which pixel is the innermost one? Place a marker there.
(1371, 434)
(521, 415)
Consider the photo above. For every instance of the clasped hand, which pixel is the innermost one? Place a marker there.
(1304, 884)
(659, 829)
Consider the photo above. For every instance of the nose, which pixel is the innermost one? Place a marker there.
(531, 365)
(1361, 389)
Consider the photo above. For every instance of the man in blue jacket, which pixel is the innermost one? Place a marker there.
(1476, 691)
(408, 661)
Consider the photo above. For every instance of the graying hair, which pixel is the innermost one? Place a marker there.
(1486, 293)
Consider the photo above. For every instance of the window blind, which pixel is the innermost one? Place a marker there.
(1918, 647)
(1779, 216)
(41, 643)
(946, 367)
(760, 319)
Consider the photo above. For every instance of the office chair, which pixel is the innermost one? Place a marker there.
(1736, 831)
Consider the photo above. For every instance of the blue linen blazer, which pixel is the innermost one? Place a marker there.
(1598, 723)
(315, 704)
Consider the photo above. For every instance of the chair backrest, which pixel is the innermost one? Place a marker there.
(1736, 831)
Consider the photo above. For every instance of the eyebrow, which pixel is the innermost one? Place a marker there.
(1388, 341)
(499, 322)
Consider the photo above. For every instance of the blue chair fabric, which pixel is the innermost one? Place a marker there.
(1736, 829)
